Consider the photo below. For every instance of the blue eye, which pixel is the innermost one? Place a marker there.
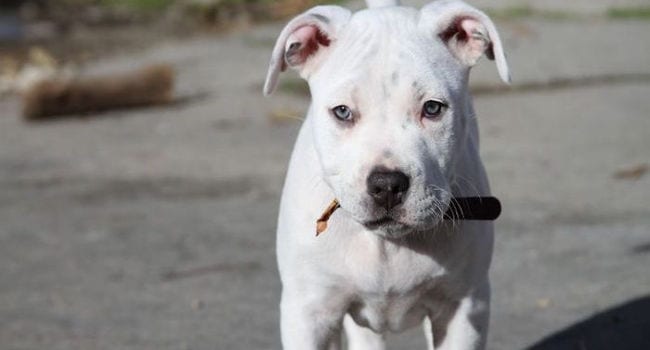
(432, 109)
(342, 112)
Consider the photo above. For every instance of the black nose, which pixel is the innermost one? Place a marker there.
(387, 188)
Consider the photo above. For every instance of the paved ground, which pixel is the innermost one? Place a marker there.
(154, 229)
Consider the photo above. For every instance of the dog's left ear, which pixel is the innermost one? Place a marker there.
(466, 31)
(305, 40)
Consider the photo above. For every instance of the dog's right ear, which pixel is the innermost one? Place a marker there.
(467, 32)
(305, 40)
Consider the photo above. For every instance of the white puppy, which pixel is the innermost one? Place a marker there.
(391, 134)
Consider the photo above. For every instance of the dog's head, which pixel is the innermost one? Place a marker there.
(390, 105)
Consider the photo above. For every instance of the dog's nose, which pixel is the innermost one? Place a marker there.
(387, 188)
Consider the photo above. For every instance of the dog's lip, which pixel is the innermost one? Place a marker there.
(383, 221)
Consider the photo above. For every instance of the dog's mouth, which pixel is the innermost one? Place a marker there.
(383, 222)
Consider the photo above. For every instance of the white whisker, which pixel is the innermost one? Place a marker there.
(471, 186)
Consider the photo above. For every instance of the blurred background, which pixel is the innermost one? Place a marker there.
(152, 227)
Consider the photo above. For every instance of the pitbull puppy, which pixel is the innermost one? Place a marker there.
(391, 134)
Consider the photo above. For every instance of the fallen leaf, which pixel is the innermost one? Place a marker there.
(284, 115)
(197, 304)
(543, 303)
(632, 173)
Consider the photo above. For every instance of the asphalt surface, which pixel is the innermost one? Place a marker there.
(154, 228)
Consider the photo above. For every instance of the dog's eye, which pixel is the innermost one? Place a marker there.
(432, 109)
(342, 112)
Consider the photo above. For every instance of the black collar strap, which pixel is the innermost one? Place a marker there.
(473, 208)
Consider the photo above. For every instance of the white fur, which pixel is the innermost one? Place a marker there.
(384, 63)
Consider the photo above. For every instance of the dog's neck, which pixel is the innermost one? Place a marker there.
(467, 174)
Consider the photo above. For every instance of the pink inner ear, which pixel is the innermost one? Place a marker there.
(303, 34)
(303, 43)
(455, 28)
(477, 39)
(470, 25)
(471, 39)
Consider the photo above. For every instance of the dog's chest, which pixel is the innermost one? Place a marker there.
(391, 286)
(388, 312)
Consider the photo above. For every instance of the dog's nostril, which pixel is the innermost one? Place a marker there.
(387, 188)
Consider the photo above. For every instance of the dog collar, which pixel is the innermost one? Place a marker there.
(460, 208)
(473, 208)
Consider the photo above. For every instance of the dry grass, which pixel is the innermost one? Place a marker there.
(641, 12)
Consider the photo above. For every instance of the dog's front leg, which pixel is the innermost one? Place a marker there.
(467, 327)
(309, 323)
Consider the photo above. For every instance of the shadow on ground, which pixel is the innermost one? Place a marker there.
(625, 327)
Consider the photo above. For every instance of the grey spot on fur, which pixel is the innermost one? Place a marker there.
(387, 153)
(385, 90)
(321, 18)
(419, 91)
(394, 78)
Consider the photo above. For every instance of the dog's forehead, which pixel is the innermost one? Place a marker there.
(385, 45)
(383, 29)
(385, 16)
